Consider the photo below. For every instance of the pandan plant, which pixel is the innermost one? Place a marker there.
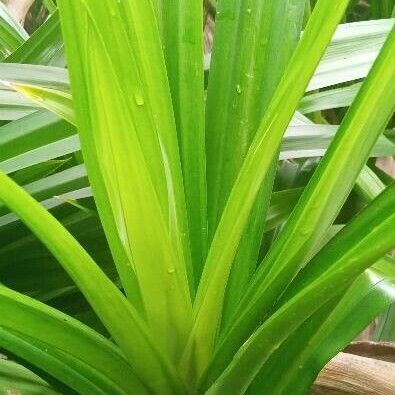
(219, 256)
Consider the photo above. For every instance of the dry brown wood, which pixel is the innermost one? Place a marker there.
(385, 351)
(349, 374)
(209, 34)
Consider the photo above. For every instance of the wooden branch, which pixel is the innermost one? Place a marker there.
(349, 374)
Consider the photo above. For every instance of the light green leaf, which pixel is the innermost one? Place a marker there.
(54, 100)
(242, 80)
(129, 143)
(180, 25)
(321, 199)
(13, 105)
(351, 54)
(12, 34)
(34, 139)
(209, 300)
(327, 332)
(353, 50)
(345, 258)
(43, 47)
(15, 378)
(332, 98)
(83, 359)
(51, 6)
(117, 314)
(29, 74)
(57, 184)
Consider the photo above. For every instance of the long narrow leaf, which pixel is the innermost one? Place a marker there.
(44, 46)
(120, 318)
(243, 78)
(349, 254)
(352, 53)
(129, 144)
(12, 34)
(209, 300)
(322, 198)
(23, 141)
(181, 24)
(14, 106)
(327, 332)
(101, 365)
(14, 377)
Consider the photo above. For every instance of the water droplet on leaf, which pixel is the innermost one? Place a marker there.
(139, 99)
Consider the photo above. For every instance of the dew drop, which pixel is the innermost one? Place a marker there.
(305, 232)
(170, 270)
(238, 89)
(139, 99)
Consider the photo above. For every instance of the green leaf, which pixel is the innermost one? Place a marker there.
(385, 330)
(36, 172)
(381, 8)
(23, 272)
(350, 55)
(334, 325)
(43, 47)
(44, 76)
(70, 198)
(322, 198)
(81, 358)
(353, 50)
(346, 257)
(327, 332)
(368, 296)
(34, 139)
(281, 204)
(12, 34)
(15, 378)
(302, 139)
(243, 78)
(54, 100)
(210, 296)
(13, 105)
(56, 184)
(129, 142)
(240, 86)
(332, 98)
(368, 185)
(51, 6)
(310, 140)
(181, 27)
(117, 314)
